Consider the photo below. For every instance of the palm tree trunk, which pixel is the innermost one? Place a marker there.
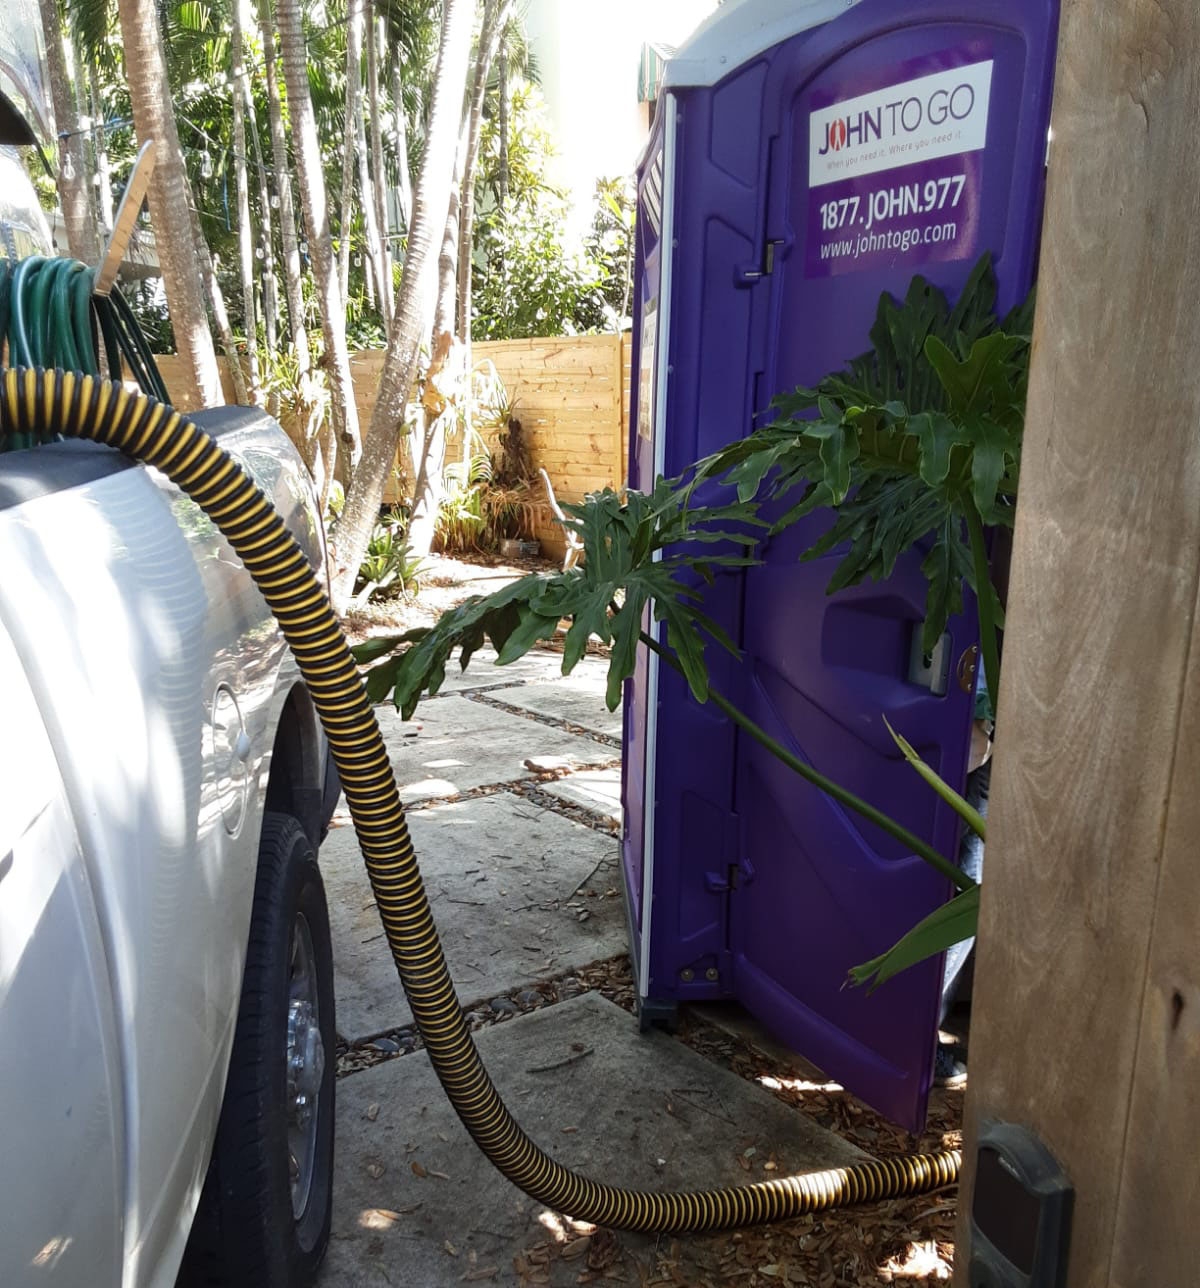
(400, 363)
(370, 278)
(245, 230)
(103, 169)
(74, 177)
(169, 196)
(447, 296)
(383, 260)
(292, 271)
(502, 126)
(216, 302)
(270, 287)
(404, 184)
(366, 187)
(495, 16)
(354, 9)
(316, 221)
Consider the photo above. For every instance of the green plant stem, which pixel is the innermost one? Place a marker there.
(818, 780)
(988, 638)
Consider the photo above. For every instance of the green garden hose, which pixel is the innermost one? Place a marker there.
(50, 317)
(36, 405)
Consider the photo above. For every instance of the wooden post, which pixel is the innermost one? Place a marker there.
(1087, 997)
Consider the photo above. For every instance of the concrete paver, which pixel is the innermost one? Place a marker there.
(578, 697)
(417, 1204)
(502, 877)
(453, 745)
(597, 789)
(483, 673)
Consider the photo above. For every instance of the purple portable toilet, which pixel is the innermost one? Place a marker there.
(805, 157)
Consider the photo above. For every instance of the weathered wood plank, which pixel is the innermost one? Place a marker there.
(535, 420)
(581, 400)
(1157, 1241)
(1087, 836)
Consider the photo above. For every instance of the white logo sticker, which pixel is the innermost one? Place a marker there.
(933, 116)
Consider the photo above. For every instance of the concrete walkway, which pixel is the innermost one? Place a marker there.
(512, 779)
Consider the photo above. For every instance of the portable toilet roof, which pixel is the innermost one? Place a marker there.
(735, 33)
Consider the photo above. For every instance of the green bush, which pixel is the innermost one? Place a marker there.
(527, 282)
(389, 567)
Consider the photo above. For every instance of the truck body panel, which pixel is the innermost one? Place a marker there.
(159, 678)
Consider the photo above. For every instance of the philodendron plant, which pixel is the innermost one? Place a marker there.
(917, 442)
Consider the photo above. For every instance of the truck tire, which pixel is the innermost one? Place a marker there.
(264, 1214)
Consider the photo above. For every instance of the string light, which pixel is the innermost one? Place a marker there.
(274, 201)
(68, 168)
(206, 165)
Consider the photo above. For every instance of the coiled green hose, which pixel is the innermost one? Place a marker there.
(40, 403)
(51, 317)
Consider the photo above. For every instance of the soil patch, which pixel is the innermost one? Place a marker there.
(445, 582)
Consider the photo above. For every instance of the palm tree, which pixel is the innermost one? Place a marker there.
(104, 191)
(74, 181)
(292, 268)
(270, 306)
(354, 9)
(379, 248)
(311, 176)
(403, 181)
(368, 184)
(245, 230)
(496, 14)
(410, 322)
(169, 196)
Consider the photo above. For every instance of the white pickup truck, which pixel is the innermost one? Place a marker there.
(166, 1004)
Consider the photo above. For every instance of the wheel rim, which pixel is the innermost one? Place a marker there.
(305, 1064)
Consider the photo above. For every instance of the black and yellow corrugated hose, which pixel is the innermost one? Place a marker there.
(43, 404)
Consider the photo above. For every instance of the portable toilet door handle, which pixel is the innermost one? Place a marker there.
(768, 265)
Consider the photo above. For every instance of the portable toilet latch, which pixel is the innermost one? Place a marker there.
(734, 877)
(753, 274)
(932, 670)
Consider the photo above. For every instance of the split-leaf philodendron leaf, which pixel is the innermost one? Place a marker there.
(643, 551)
(925, 423)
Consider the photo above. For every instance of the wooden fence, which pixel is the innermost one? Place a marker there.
(570, 393)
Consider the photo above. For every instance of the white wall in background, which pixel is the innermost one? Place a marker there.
(588, 60)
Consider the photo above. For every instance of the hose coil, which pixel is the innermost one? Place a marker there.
(36, 404)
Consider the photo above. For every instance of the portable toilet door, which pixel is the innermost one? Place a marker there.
(923, 127)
